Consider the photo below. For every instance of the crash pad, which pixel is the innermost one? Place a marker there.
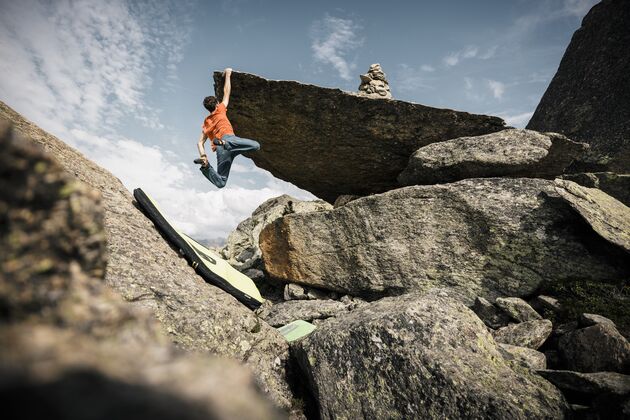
(296, 330)
(208, 264)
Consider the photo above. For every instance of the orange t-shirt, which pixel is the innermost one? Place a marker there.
(216, 125)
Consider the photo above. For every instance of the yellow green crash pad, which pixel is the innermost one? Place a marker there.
(208, 264)
(296, 330)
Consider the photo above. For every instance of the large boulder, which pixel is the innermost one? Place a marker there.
(331, 142)
(70, 347)
(594, 349)
(483, 237)
(242, 250)
(513, 153)
(146, 271)
(589, 97)
(615, 185)
(415, 356)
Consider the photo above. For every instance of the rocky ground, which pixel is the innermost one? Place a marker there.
(486, 275)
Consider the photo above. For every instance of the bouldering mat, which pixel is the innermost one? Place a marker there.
(209, 265)
(296, 330)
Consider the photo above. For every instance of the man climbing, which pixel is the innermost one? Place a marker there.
(224, 143)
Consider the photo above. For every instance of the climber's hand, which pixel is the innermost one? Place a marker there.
(205, 161)
(228, 71)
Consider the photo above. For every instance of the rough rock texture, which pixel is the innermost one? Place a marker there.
(307, 310)
(531, 334)
(606, 393)
(483, 237)
(492, 316)
(416, 356)
(589, 97)
(595, 349)
(69, 346)
(588, 320)
(512, 153)
(308, 134)
(241, 250)
(525, 356)
(615, 185)
(517, 309)
(606, 215)
(145, 270)
(546, 304)
(374, 83)
(589, 383)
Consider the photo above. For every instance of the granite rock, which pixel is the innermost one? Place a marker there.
(509, 153)
(589, 97)
(415, 356)
(309, 134)
(486, 237)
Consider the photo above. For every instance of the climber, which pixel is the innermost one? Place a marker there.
(227, 146)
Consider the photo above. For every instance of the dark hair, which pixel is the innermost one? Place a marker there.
(210, 103)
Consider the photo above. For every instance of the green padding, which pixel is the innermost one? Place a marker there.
(206, 263)
(296, 330)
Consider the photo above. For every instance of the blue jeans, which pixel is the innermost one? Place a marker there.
(232, 147)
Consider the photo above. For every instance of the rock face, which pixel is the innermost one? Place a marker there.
(607, 216)
(309, 135)
(615, 185)
(70, 347)
(482, 237)
(374, 84)
(416, 356)
(512, 153)
(589, 97)
(241, 250)
(146, 271)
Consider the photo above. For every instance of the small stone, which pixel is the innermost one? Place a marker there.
(316, 294)
(588, 383)
(594, 349)
(518, 309)
(489, 314)
(588, 320)
(294, 291)
(542, 303)
(526, 357)
(530, 334)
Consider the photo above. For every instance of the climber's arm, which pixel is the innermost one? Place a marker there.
(201, 148)
(227, 87)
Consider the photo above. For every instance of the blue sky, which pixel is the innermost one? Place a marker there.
(123, 80)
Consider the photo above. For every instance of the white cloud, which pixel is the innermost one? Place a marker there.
(549, 12)
(497, 88)
(79, 68)
(85, 64)
(454, 58)
(409, 79)
(427, 68)
(516, 120)
(332, 39)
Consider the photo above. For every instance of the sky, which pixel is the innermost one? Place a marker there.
(123, 80)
